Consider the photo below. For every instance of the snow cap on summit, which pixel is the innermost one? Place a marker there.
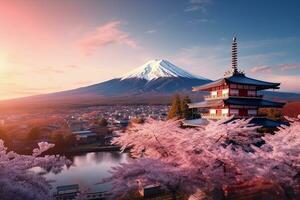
(155, 69)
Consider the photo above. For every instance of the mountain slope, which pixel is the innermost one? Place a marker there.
(118, 87)
(292, 109)
(159, 76)
(154, 82)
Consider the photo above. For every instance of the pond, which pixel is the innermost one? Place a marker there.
(87, 170)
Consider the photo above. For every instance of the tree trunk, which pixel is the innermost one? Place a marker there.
(174, 196)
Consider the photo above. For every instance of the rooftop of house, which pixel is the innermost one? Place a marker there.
(84, 133)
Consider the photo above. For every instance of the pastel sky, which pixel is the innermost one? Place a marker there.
(48, 46)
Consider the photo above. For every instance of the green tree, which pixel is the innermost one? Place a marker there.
(175, 110)
(272, 113)
(63, 140)
(58, 140)
(69, 140)
(186, 113)
(103, 122)
(137, 120)
(5, 137)
(34, 134)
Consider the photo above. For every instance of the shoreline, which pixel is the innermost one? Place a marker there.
(79, 150)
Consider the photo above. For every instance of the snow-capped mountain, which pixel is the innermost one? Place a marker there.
(154, 81)
(154, 76)
(155, 69)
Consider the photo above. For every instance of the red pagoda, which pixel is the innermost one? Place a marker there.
(236, 95)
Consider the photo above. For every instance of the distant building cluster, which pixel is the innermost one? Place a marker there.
(87, 124)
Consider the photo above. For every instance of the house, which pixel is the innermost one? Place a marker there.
(150, 191)
(85, 137)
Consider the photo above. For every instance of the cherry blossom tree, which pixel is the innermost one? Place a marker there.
(209, 157)
(282, 151)
(18, 181)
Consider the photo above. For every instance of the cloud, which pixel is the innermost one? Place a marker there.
(54, 70)
(193, 8)
(262, 68)
(289, 83)
(286, 67)
(212, 61)
(282, 67)
(208, 61)
(271, 42)
(72, 66)
(46, 70)
(10, 90)
(24, 66)
(107, 34)
(195, 5)
(81, 83)
(35, 67)
(151, 31)
(200, 21)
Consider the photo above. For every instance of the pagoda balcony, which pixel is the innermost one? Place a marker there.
(217, 117)
(212, 116)
(209, 97)
(258, 96)
(225, 96)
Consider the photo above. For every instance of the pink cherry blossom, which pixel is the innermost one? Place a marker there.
(213, 156)
(18, 182)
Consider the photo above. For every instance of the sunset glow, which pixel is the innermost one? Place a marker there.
(49, 46)
(149, 99)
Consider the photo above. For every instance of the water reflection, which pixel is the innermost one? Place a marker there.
(88, 169)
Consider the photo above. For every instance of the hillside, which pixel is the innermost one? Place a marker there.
(292, 109)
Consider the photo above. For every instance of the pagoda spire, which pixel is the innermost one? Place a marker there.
(234, 61)
(234, 56)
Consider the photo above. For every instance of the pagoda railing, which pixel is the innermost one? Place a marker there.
(212, 116)
(225, 96)
(209, 97)
(248, 96)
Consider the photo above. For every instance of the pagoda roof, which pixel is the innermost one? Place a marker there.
(257, 121)
(264, 122)
(237, 101)
(206, 104)
(267, 123)
(253, 102)
(238, 79)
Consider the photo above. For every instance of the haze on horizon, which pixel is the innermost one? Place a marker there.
(49, 46)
